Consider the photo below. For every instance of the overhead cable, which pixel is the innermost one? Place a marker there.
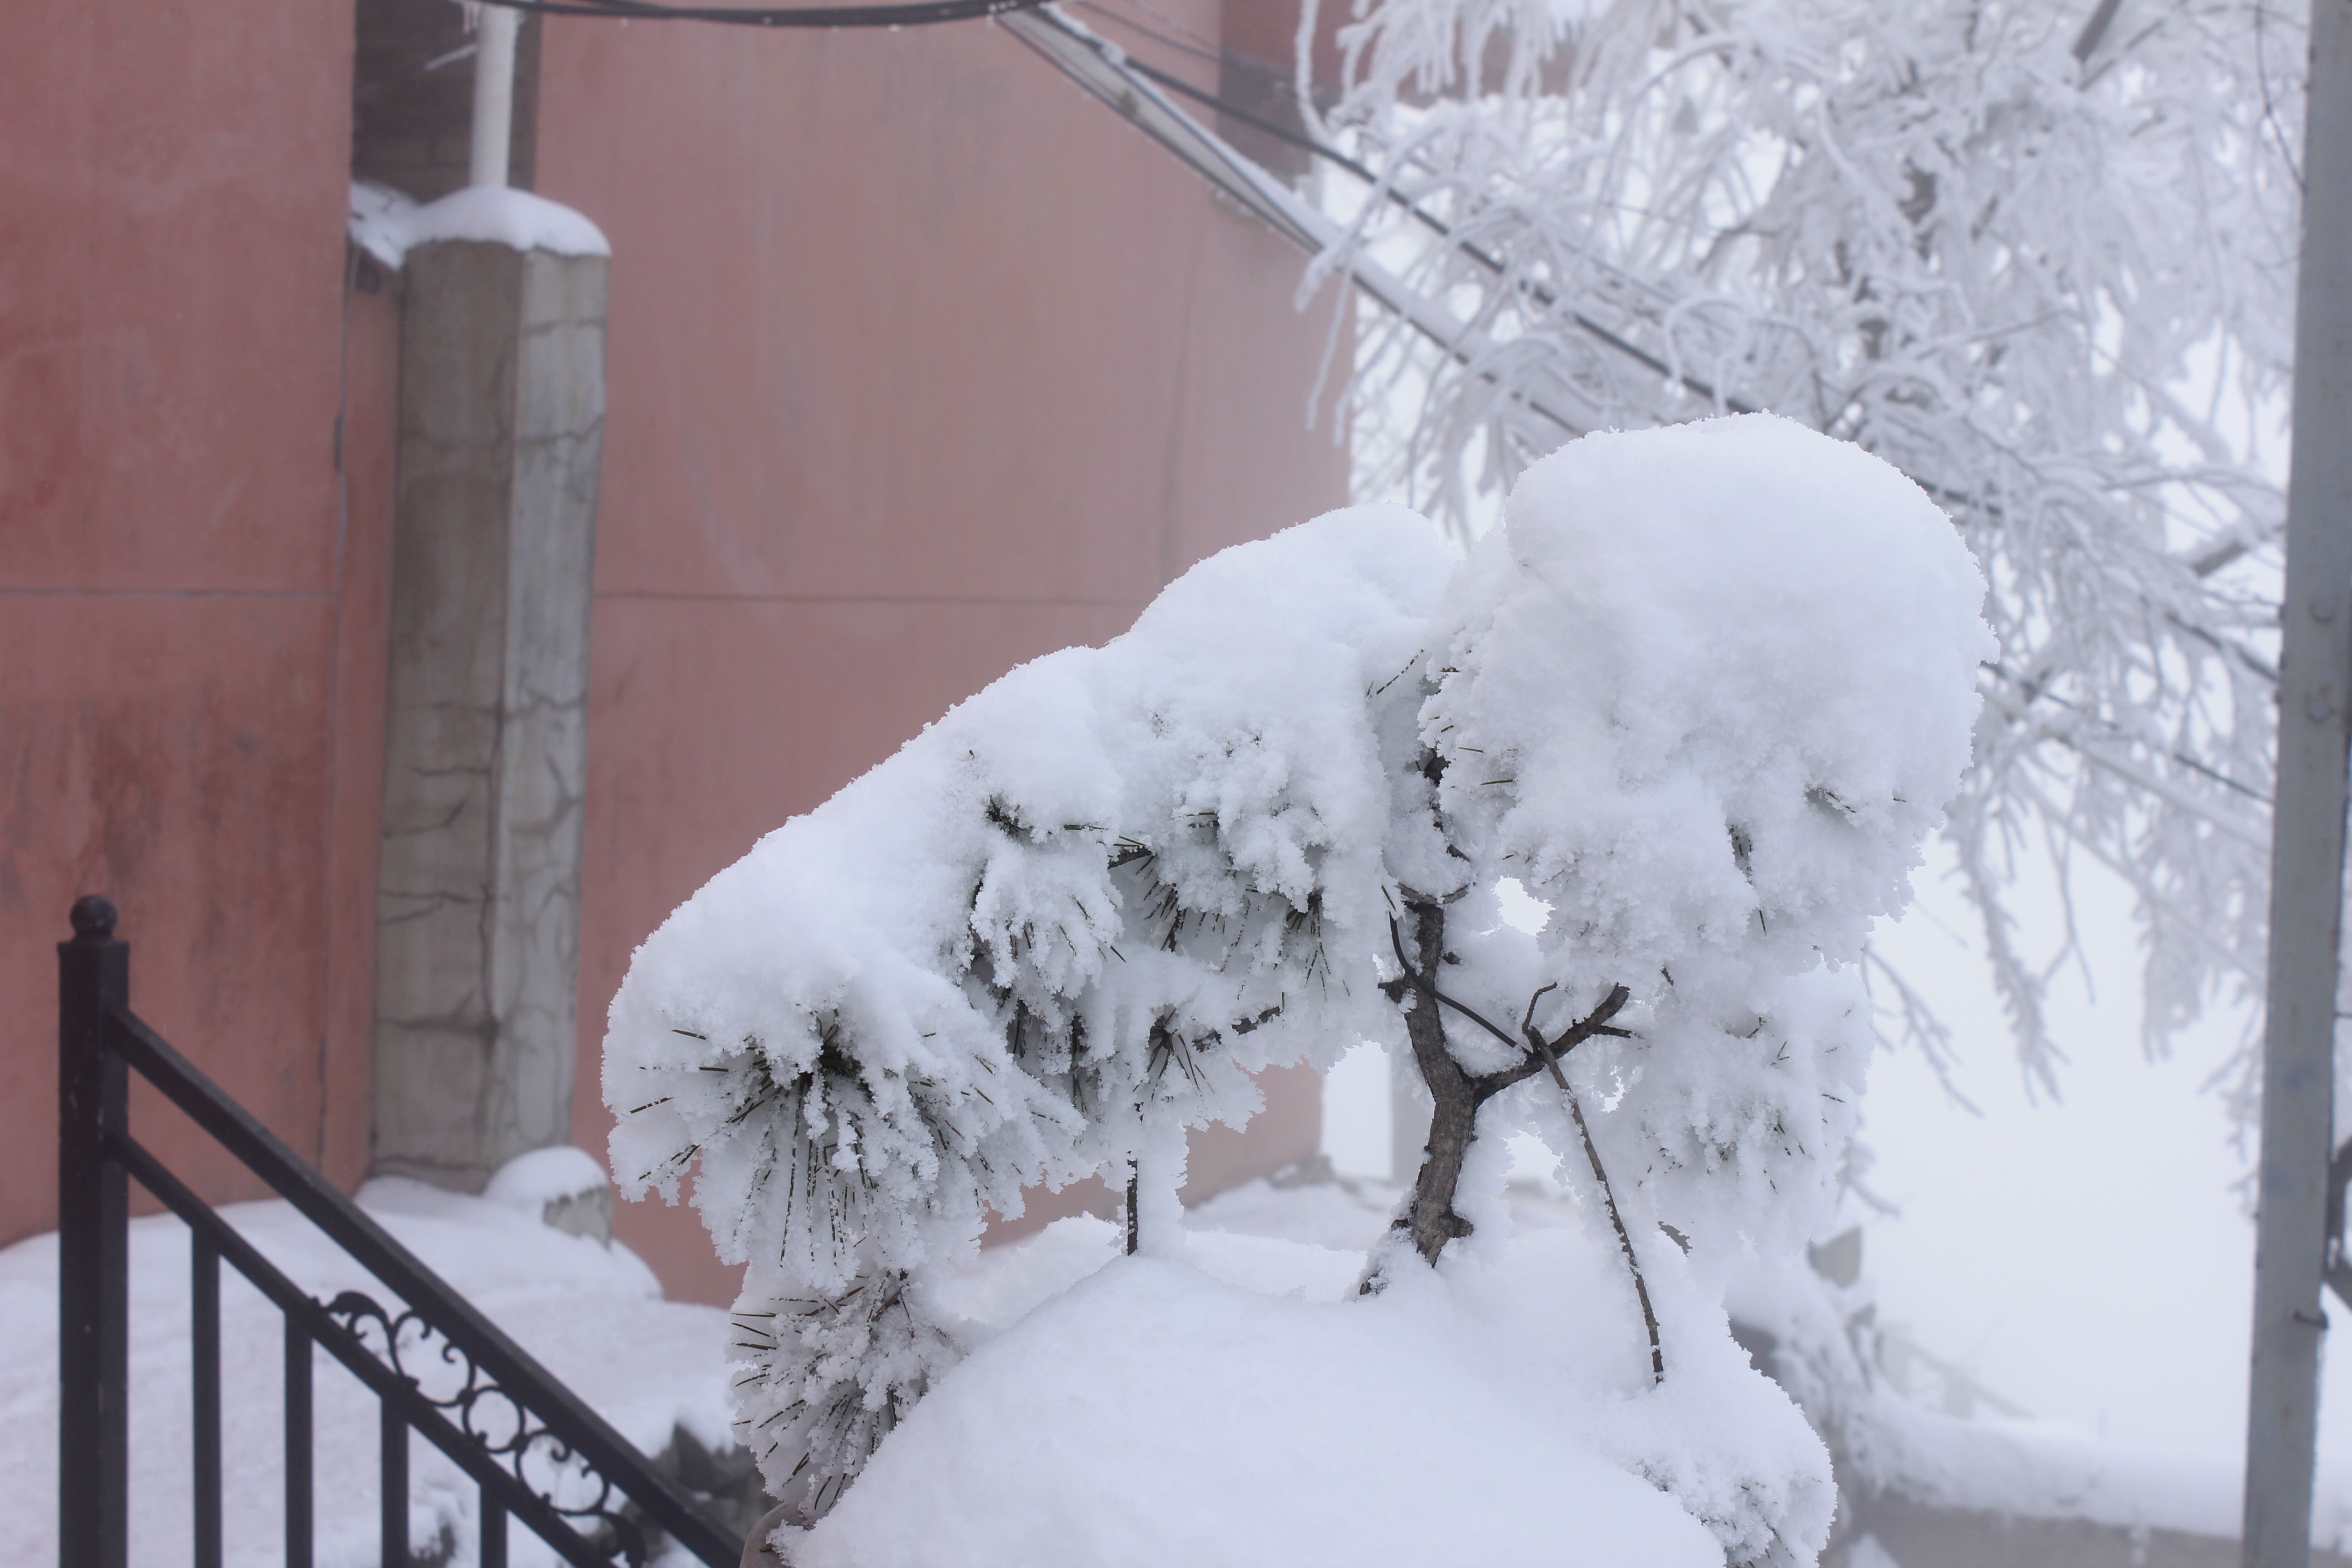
(905, 14)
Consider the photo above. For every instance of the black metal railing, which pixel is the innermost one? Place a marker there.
(436, 1364)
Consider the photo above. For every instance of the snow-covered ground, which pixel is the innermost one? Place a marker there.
(592, 1314)
(1307, 1242)
(1229, 1398)
(2038, 1468)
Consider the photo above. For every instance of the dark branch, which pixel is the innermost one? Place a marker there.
(1595, 1023)
(1473, 1017)
(1428, 1220)
(1491, 1084)
(2094, 29)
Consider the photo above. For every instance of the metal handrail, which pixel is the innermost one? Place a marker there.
(507, 1417)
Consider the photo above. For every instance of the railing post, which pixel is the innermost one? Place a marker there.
(93, 1248)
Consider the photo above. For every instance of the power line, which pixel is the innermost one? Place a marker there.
(905, 14)
(1537, 291)
(909, 13)
(1201, 50)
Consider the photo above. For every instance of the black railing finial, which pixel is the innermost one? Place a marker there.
(93, 917)
(93, 1248)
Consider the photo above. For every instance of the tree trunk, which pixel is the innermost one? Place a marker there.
(1429, 1218)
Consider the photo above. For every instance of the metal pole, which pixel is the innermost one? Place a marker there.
(93, 1248)
(494, 64)
(2307, 835)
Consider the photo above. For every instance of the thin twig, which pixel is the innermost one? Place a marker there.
(1590, 1026)
(1473, 1017)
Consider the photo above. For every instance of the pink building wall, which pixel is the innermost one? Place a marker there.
(990, 369)
(922, 364)
(191, 590)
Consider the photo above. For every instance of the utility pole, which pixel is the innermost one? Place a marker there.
(2307, 835)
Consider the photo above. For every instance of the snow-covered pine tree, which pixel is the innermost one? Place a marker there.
(1703, 694)
(1096, 896)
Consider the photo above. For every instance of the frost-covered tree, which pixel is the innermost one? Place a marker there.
(1704, 694)
(2039, 257)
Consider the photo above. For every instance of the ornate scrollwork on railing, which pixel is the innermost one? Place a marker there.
(542, 1462)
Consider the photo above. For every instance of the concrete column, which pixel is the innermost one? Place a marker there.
(477, 911)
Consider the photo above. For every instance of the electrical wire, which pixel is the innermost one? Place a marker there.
(1201, 50)
(1541, 294)
(916, 12)
(905, 14)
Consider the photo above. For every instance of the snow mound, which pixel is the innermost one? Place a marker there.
(1133, 1419)
(532, 1180)
(2001, 1467)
